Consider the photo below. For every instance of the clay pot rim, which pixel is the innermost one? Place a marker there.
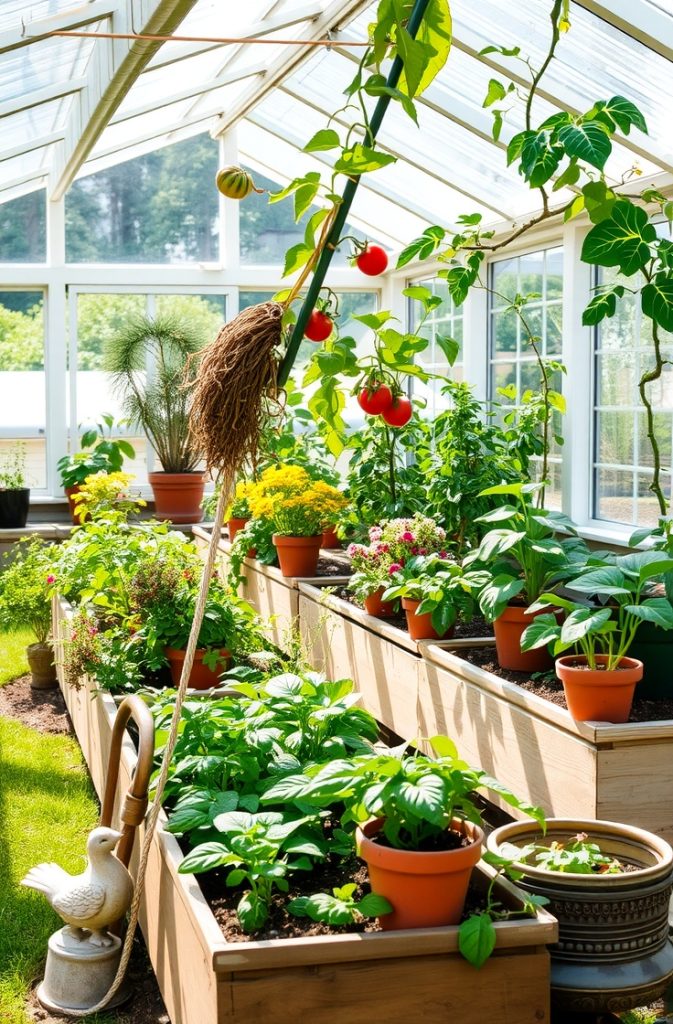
(415, 862)
(628, 673)
(294, 540)
(528, 830)
(165, 475)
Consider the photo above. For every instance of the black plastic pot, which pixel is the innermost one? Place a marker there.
(14, 505)
(613, 952)
(654, 647)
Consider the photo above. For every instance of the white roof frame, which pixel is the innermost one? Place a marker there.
(649, 25)
(114, 66)
(74, 18)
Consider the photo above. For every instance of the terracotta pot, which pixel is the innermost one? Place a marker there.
(201, 677)
(420, 626)
(426, 890)
(298, 556)
(70, 492)
(378, 608)
(613, 950)
(508, 629)
(594, 695)
(42, 667)
(330, 541)
(233, 526)
(178, 496)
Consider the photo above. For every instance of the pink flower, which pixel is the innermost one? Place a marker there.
(407, 537)
(92, 630)
(443, 554)
(415, 551)
(422, 551)
(375, 533)
(51, 578)
(395, 567)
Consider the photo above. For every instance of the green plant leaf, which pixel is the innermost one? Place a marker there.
(476, 939)
(426, 798)
(422, 247)
(607, 580)
(655, 609)
(449, 346)
(443, 746)
(589, 142)
(323, 141)
(583, 621)
(496, 91)
(542, 630)
(295, 257)
(624, 114)
(374, 905)
(361, 159)
(657, 300)
(602, 305)
(252, 911)
(622, 240)
(204, 858)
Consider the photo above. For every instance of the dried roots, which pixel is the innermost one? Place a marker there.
(236, 372)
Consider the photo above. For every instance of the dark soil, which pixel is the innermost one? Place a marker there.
(44, 711)
(334, 565)
(546, 685)
(448, 840)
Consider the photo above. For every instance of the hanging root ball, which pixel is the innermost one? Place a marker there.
(234, 182)
(235, 373)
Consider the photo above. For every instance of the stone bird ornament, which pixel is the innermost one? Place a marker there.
(90, 902)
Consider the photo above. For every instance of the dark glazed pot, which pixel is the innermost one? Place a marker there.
(613, 952)
(654, 647)
(14, 505)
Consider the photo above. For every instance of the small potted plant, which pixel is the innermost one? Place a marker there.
(14, 495)
(297, 509)
(524, 558)
(435, 592)
(239, 512)
(158, 401)
(419, 826)
(99, 453)
(391, 545)
(609, 886)
(599, 679)
(25, 602)
(163, 595)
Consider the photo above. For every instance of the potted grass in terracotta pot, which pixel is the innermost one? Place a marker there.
(524, 558)
(419, 826)
(296, 508)
(609, 887)
(25, 603)
(147, 360)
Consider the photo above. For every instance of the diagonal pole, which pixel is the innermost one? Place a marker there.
(343, 210)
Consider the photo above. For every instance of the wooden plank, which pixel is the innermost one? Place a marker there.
(537, 760)
(380, 627)
(634, 785)
(386, 675)
(509, 988)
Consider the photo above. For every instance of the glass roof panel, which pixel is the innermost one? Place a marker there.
(42, 63)
(30, 124)
(12, 12)
(26, 164)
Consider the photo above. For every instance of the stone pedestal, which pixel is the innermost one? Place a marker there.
(78, 973)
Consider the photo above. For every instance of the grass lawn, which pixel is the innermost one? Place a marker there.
(47, 806)
(13, 654)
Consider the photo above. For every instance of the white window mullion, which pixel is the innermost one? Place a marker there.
(475, 353)
(578, 426)
(55, 346)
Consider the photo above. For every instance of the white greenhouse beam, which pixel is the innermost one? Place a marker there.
(31, 145)
(408, 158)
(74, 18)
(305, 12)
(644, 22)
(228, 78)
(491, 61)
(114, 67)
(336, 12)
(37, 97)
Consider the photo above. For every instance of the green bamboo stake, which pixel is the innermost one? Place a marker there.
(323, 264)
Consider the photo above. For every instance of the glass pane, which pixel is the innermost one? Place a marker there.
(647, 504)
(22, 380)
(615, 498)
(23, 229)
(617, 379)
(158, 208)
(505, 281)
(615, 438)
(505, 331)
(207, 312)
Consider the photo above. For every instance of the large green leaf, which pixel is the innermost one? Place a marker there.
(583, 621)
(621, 240)
(542, 630)
(602, 305)
(435, 34)
(322, 141)
(476, 939)
(497, 542)
(361, 159)
(539, 157)
(426, 798)
(495, 597)
(607, 580)
(657, 300)
(588, 142)
(624, 114)
(204, 858)
(655, 609)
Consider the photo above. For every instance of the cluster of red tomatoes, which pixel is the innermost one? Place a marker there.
(371, 260)
(378, 400)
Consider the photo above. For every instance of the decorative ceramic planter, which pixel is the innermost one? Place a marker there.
(42, 666)
(426, 890)
(378, 608)
(298, 556)
(613, 952)
(595, 695)
(14, 506)
(201, 677)
(399, 977)
(178, 496)
(508, 629)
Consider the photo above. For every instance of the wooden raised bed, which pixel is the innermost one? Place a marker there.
(401, 977)
(274, 596)
(572, 769)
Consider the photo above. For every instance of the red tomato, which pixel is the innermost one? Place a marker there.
(372, 260)
(399, 413)
(375, 398)
(319, 326)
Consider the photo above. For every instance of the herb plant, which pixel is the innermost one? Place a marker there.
(99, 453)
(13, 468)
(577, 855)
(442, 587)
(24, 588)
(340, 907)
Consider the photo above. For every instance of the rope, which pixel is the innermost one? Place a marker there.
(223, 41)
(153, 816)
